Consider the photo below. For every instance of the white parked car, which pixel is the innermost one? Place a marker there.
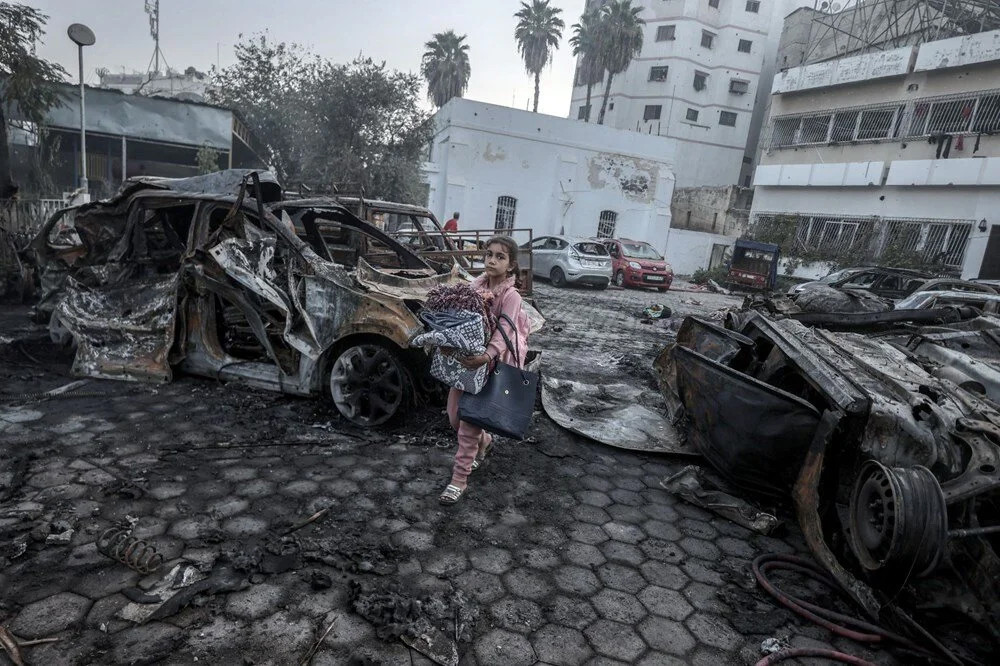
(563, 259)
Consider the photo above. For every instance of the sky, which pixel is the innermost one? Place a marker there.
(201, 33)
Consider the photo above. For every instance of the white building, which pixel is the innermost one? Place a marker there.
(695, 81)
(503, 168)
(190, 86)
(887, 156)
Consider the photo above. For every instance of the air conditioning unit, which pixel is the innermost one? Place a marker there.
(738, 87)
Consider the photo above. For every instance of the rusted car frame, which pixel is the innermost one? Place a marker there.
(220, 285)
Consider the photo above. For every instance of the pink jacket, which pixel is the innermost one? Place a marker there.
(506, 300)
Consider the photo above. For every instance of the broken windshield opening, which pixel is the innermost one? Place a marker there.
(641, 251)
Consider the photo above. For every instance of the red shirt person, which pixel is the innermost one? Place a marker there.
(452, 224)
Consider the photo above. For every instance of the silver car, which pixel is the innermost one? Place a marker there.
(563, 259)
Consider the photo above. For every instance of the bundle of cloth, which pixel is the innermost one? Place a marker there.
(458, 322)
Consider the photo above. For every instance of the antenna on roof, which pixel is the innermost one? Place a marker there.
(153, 9)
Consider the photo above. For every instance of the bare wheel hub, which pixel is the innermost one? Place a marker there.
(367, 384)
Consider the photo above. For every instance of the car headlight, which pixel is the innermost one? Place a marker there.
(634, 265)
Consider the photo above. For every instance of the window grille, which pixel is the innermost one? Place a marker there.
(658, 73)
(692, 115)
(745, 46)
(727, 118)
(753, 6)
(666, 33)
(506, 209)
(606, 224)
(738, 87)
(652, 112)
(966, 113)
(933, 242)
(707, 39)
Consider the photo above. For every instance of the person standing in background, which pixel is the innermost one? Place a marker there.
(452, 224)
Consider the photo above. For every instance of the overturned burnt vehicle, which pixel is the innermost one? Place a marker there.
(894, 472)
(209, 275)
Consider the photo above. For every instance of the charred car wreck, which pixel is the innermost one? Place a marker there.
(892, 463)
(216, 276)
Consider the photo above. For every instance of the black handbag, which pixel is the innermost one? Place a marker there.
(505, 405)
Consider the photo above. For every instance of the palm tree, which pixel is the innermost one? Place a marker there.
(587, 47)
(538, 32)
(621, 40)
(445, 65)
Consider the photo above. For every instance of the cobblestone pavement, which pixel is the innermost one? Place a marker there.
(562, 552)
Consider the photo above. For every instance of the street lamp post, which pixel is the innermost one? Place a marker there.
(82, 36)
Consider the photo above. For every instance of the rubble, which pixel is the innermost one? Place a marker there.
(693, 484)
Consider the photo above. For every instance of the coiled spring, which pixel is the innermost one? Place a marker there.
(136, 554)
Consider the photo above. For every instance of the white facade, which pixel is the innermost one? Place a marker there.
(891, 148)
(711, 122)
(552, 175)
(190, 86)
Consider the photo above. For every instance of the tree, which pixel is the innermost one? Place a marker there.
(207, 159)
(587, 47)
(445, 65)
(538, 32)
(356, 124)
(25, 77)
(621, 40)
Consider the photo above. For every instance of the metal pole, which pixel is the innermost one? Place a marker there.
(83, 127)
(124, 158)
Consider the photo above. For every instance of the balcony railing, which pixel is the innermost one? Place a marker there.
(969, 113)
(859, 240)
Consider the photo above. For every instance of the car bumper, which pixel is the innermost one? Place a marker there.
(583, 275)
(640, 278)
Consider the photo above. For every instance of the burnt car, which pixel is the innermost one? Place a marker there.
(894, 472)
(207, 275)
(892, 283)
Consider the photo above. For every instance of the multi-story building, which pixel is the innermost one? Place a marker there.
(190, 86)
(695, 81)
(891, 156)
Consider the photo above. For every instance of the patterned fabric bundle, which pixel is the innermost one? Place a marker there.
(456, 319)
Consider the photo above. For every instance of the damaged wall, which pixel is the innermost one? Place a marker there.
(717, 210)
(562, 174)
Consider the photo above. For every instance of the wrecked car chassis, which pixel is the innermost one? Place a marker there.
(893, 472)
(166, 276)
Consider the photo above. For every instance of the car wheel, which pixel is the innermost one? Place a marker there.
(558, 277)
(604, 285)
(368, 384)
(620, 279)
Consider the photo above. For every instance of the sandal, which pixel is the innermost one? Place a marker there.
(451, 494)
(480, 459)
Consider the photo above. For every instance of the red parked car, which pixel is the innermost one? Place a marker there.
(638, 264)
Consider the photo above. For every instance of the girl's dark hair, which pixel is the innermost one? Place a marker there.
(510, 245)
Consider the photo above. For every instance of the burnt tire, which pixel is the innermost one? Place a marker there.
(558, 277)
(620, 279)
(369, 384)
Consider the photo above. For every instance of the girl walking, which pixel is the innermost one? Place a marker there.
(499, 284)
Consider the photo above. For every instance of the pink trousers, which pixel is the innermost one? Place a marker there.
(469, 437)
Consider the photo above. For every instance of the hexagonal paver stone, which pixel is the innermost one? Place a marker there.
(700, 571)
(255, 602)
(666, 635)
(663, 512)
(700, 548)
(615, 640)
(713, 630)
(591, 514)
(626, 497)
(589, 534)
(415, 540)
(517, 614)
(625, 553)
(50, 615)
(592, 482)
(255, 488)
(145, 644)
(618, 606)
(626, 514)
(576, 580)
(737, 547)
(481, 586)
(244, 526)
(593, 498)
(659, 529)
(491, 560)
(664, 574)
(445, 563)
(560, 646)
(526, 583)
(504, 648)
(665, 603)
(584, 555)
(664, 551)
(571, 612)
(624, 532)
(544, 535)
(620, 577)
(538, 558)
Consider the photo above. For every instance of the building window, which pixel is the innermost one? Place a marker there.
(506, 208)
(727, 118)
(652, 112)
(658, 73)
(713, 3)
(700, 80)
(739, 87)
(692, 115)
(666, 33)
(606, 224)
(745, 45)
(753, 6)
(584, 112)
(707, 39)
